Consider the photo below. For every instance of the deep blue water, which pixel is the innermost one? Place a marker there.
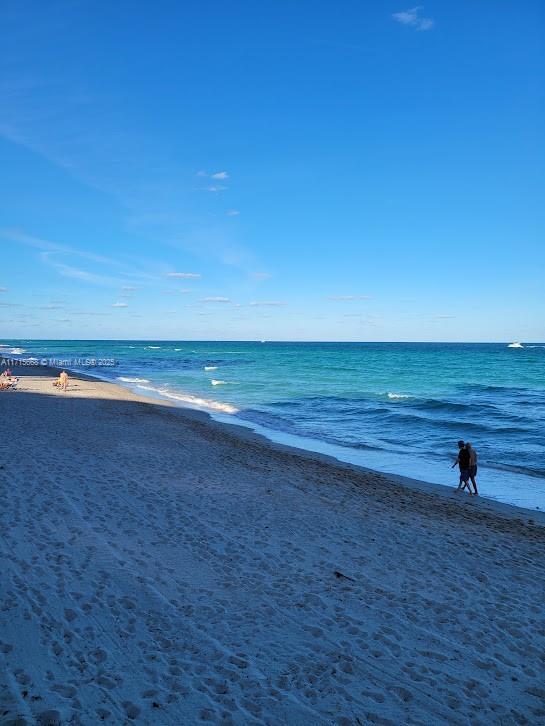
(398, 407)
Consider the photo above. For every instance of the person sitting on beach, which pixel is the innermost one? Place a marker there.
(472, 467)
(7, 381)
(463, 462)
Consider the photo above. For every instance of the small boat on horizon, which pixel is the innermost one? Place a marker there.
(515, 345)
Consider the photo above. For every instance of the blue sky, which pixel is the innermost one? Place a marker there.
(285, 170)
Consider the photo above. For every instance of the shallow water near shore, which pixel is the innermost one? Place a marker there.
(394, 407)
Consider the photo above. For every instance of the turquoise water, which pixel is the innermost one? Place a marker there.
(397, 407)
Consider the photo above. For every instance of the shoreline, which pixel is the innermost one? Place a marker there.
(161, 567)
(397, 452)
(248, 433)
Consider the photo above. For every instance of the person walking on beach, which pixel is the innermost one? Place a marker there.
(63, 380)
(472, 467)
(463, 462)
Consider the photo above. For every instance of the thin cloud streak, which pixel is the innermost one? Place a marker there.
(77, 273)
(49, 248)
(217, 175)
(267, 303)
(184, 275)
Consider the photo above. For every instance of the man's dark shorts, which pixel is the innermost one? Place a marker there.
(464, 475)
(473, 471)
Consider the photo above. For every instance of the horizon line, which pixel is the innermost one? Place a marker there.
(264, 340)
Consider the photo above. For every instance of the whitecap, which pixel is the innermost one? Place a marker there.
(153, 347)
(215, 382)
(17, 351)
(210, 368)
(193, 400)
(132, 380)
(397, 395)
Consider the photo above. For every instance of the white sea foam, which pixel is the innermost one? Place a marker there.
(210, 368)
(153, 347)
(193, 401)
(132, 380)
(215, 382)
(178, 349)
(17, 351)
(398, 395)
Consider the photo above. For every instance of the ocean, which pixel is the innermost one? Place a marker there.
(394, 407)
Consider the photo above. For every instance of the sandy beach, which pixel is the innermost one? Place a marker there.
(158, 567)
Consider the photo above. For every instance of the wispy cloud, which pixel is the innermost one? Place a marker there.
(120, 305)
(128, 288)
(51, 251)
(214, 188)
(232, 212)
(216, 299)
(267, 303)
(77, 273)
(413, 18)
(218, 175)
(3, 289)
(184, 275)
(346, 298)
(48, 246)
(260, 275)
